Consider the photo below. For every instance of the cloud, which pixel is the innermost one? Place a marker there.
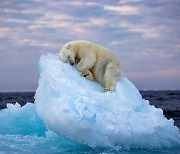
(166, 73)
(143, 34)
(4, 31)
(129, 1)
(80, 3)
(31, 42)
(123, 10)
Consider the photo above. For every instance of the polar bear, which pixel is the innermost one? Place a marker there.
(94, 61)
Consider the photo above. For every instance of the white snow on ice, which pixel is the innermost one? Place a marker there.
(77, 108)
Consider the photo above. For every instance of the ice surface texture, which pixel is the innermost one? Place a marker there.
(77, 108)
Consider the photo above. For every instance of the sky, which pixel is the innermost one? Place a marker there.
(144, 34)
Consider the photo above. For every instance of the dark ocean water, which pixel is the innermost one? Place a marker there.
(168, 100)
(16, 132)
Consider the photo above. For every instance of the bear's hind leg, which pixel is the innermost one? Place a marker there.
(109, 82)
(110, 86)
(109, 78)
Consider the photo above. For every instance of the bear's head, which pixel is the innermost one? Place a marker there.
(67, 54)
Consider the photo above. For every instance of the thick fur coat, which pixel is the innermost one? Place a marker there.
(94, 61)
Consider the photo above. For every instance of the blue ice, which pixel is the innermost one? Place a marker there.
(73, 114)
(77, 108)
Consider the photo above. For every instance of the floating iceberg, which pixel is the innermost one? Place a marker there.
(77, 108)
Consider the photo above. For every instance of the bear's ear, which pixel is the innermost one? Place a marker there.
(68, 46)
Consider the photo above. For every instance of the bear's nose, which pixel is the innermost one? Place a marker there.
(72, 64)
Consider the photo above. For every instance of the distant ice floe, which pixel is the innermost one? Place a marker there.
(77, 108)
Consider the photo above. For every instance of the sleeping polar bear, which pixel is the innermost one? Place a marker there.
(94, 61)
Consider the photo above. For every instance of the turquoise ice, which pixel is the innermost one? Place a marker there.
(22, 131)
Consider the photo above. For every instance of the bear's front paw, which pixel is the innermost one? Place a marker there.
(85, 73)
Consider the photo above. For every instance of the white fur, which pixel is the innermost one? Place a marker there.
(96, 62)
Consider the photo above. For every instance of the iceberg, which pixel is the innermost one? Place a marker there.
(79, 109)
